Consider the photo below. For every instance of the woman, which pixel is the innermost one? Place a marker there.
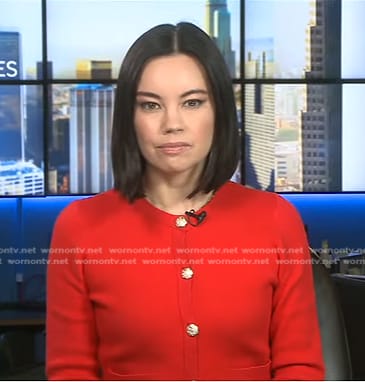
(178, 273)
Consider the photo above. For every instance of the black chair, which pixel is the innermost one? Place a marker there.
(332, 325)
(351, 293)
(19, 358)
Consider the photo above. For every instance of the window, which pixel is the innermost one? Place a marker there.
(57, 83)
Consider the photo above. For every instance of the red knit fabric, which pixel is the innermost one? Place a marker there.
(118, 306)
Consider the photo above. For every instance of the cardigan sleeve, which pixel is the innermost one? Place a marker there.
(296, 343)
(71, 351)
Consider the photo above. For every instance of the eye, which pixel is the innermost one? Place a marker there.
(149, 106)
(193, 103)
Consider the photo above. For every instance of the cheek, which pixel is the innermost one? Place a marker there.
(145, 138)
(207, 129)
(142, 130)
(144, 143)
(146, 126)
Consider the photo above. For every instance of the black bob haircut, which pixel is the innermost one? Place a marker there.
(165, 40)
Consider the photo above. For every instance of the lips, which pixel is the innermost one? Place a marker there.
(172, 148)
(173, 145)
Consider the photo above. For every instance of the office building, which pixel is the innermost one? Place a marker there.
(287, 158)
(322, 115)
(34, 119)
(20, 178)
(260, 119)
(90, 132)
(218, 26)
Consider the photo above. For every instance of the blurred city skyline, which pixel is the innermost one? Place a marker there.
(108, 28)
(277, 27)
(284, 21)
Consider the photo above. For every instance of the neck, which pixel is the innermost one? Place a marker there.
(170, 194)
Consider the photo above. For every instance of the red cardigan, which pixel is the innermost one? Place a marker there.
(133, 297)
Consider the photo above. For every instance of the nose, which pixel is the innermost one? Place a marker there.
(172, 121)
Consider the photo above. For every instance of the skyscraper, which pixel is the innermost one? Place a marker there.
(90, 132)
(260, 117)
(11, 139)
(322, 116)
(34, 141)
(218, 26)
(59, 154)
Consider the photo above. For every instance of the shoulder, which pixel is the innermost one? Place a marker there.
(88, 212)
(251, 202)
(269, 212)
(240, 195)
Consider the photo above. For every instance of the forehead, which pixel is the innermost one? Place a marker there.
(174, 71)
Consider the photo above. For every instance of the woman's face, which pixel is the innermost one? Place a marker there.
(174, 115)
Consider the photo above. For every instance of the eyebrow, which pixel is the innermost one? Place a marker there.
(185, 94)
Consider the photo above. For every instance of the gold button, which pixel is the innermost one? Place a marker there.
(181, 222)
(187, 273)
(192, 330)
